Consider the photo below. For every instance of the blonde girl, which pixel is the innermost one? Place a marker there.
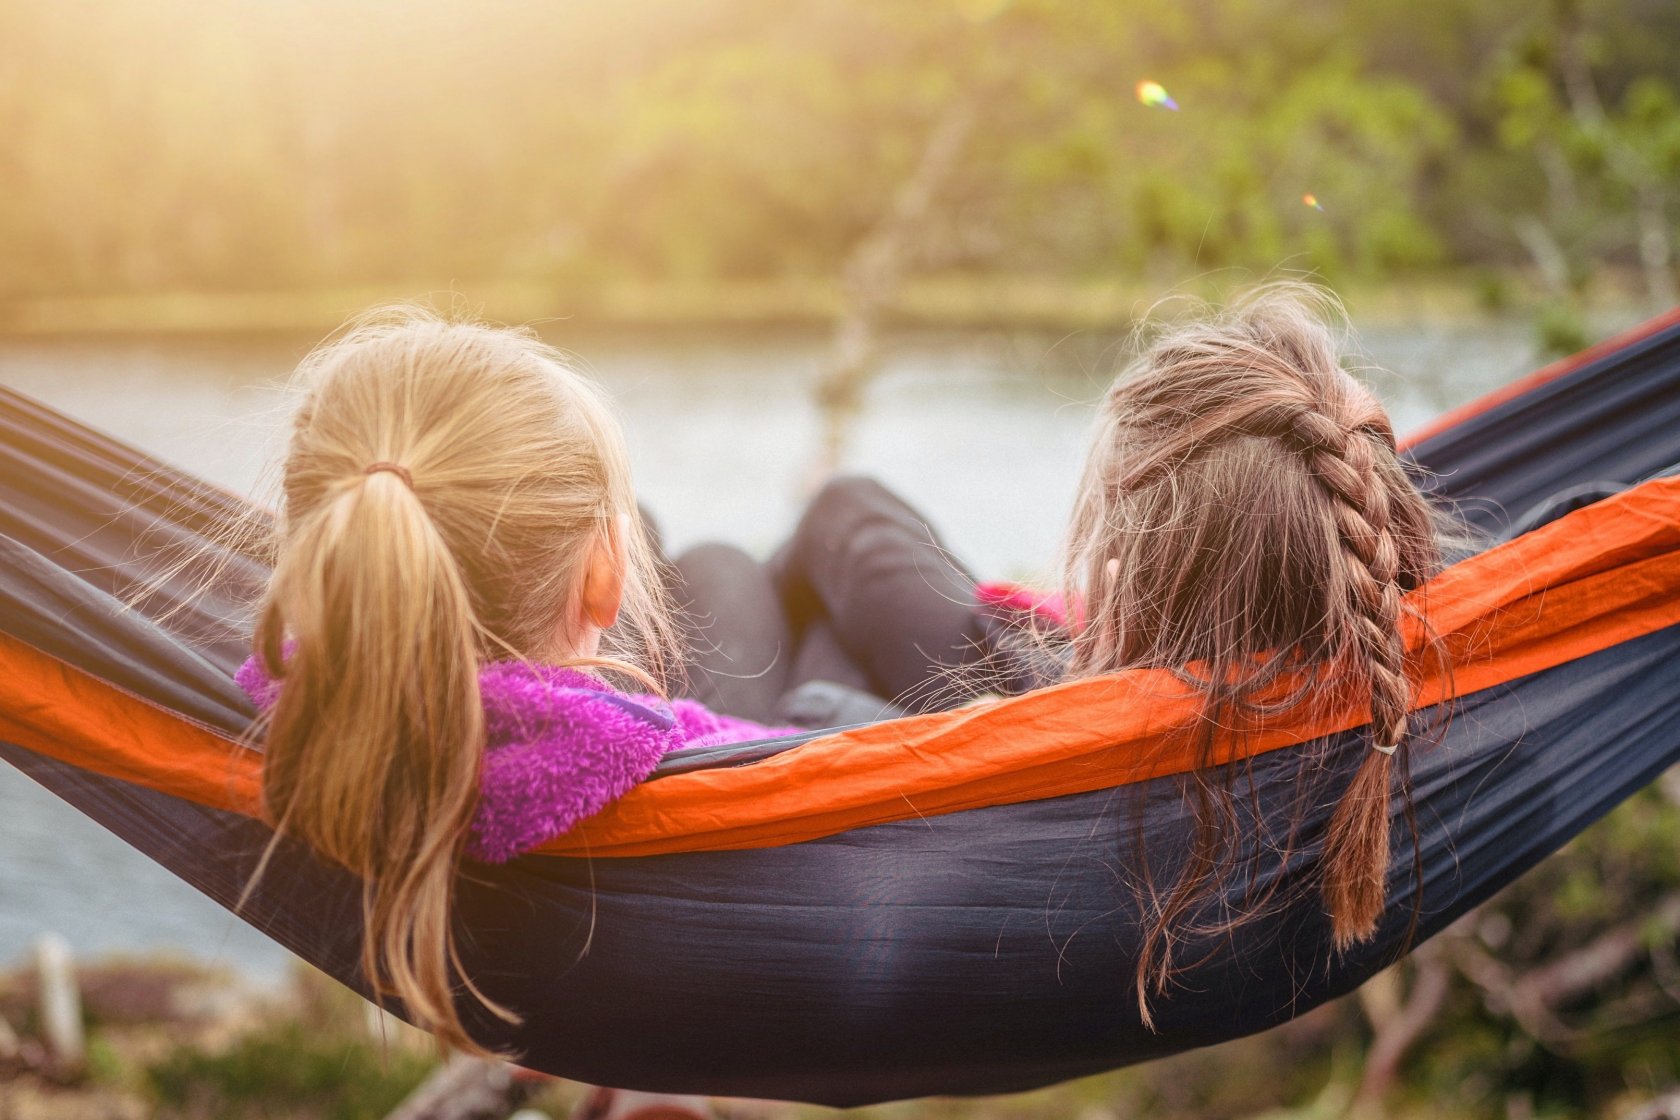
(458, 554)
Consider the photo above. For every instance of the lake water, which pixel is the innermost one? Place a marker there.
(984, 432)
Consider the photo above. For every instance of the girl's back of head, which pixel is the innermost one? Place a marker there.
(443, 488)
(1244, 514)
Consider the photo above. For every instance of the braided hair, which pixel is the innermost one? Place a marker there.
(1245, 519)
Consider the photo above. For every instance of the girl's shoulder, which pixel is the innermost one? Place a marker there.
(560, 746)
(1021, 604)
(702, 727)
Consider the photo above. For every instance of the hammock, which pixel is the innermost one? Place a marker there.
(933, 905)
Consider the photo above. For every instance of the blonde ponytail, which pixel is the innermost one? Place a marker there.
(443, 487)
(373, 745)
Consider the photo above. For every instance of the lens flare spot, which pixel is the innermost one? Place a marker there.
(1154, 96)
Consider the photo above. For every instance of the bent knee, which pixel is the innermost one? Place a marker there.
(848, 492)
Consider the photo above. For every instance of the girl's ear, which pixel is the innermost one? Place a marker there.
(603, 578)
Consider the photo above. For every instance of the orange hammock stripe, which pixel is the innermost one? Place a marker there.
(1072, 738)
(61, 712)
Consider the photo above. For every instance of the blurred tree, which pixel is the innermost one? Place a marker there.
(1608, 171)
(171, 144)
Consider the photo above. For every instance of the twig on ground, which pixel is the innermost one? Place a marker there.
(60, 1006)
(464, 1088)
(1665, 1107)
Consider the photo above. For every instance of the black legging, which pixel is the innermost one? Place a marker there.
(739, 644)
(864, 595)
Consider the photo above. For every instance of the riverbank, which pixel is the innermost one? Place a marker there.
(940, 301)
(171, 1038)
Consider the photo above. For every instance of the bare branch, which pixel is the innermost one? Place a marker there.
(1547, 254)
(1606, 957)
(9, 1044)
(1656, 252)
(875, 270)
(1665, 1107)
(1535, 998)
(1431, 982)
(1578, 82)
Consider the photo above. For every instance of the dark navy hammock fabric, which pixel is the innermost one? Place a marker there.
(1604, 425)
(977, 952)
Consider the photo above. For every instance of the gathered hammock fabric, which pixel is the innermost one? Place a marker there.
(932, 905)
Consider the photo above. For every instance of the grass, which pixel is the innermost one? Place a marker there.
(286, 1069)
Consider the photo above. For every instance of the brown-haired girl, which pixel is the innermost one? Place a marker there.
(1243, 516)
(458, 554)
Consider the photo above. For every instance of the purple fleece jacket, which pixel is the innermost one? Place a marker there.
(561, 746)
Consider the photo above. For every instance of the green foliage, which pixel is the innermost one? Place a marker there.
(1601, 140)
(105, 1066)
(285, 1070)
(1561, 329)
(173, 145)
(1494, 291)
